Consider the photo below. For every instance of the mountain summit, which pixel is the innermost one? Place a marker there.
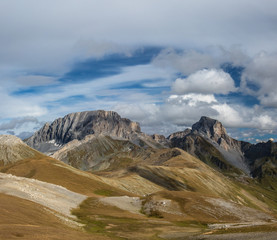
(209, 141)
(78, 125)
(211, 128)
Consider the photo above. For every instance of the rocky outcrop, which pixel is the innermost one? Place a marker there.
(160, 139)
(52, 137)
(12, 149)
(214, 131)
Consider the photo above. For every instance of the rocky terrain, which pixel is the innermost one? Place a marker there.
(52, 196)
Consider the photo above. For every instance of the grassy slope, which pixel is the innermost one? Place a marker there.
(53, 171)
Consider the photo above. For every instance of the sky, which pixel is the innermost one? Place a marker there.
(163, 63)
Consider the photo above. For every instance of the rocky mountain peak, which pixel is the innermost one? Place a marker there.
(80, 124)
(211, 128)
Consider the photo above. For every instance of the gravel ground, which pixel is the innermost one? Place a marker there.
(131, 204)
(49, 195)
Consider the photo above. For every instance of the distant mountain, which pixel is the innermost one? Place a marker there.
(52, 137)
(13, 149)
(209, 141)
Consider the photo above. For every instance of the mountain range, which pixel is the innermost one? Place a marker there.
(116, 182)
(111, 135)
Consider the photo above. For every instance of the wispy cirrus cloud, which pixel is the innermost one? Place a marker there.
(163, 63)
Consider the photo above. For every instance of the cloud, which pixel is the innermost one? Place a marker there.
(228, 115)
(186, 62)
(260, 78)
(22, 127)
(48, 36)
(207, 81)
(90, 48)
(192, 99)
(17, 123)
(48, 39)
(12, 106)
(265, 122)
(35, 80)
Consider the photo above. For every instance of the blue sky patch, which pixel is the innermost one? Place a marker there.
(234, 71)
(109, 65)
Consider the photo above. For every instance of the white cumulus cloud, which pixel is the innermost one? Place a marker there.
(192, 99)
(206, 81)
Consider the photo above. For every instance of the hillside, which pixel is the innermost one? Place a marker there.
(167, 184)
(12, 149)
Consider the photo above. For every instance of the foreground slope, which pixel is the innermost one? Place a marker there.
(23, 219)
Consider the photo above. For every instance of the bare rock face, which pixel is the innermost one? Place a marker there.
(214, 131)
(78, 125)
(179, 134)
(12, 149)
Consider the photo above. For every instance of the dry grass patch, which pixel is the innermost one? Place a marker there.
(53, 171)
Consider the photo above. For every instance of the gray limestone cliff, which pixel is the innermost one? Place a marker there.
(52, 137)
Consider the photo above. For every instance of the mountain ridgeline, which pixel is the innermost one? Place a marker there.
(97, 138)
(78, 125)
